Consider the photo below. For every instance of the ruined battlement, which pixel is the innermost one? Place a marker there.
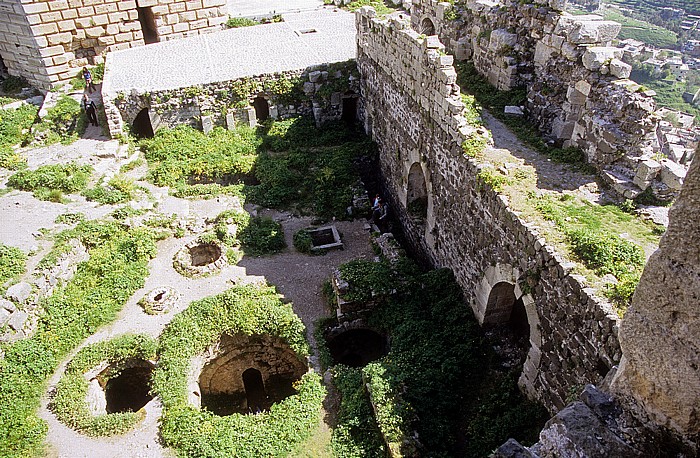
(453, 219)
(48, 41)
(578, 91)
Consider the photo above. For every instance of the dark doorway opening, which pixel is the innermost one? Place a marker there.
(262, 108)
(357, 347)
(349, 114)
(142, 125)
(427, 27)
(254, 390)
(148, 25)
(130, 390)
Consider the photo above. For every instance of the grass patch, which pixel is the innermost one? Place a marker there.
(643, 31)
(284, 164)
(380, 6)
(69, 403)
(48, 182)
(69, 218)
(119, 189)
(117, 267)
(12, 264)
(247, 310)
(64, 123)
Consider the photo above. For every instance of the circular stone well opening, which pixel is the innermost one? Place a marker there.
(357, 347)
(249, 374)
(129, 390)
(204, 254)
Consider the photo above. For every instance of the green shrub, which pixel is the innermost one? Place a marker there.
(379, 5)
(356, 434)
(69, 218)
(12, 264)
(251, 311)
(69, 403)
(367, 279)
(64, 122)
(474, 146)
(117, 267)
(14, 122)
(302, 241)
(263, 236)
(606, 253)
(69, 178)
(236, 22)
(10, 159)
(119, 189)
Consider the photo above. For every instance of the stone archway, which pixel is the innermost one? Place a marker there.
(262, 108)
(142, 126)
(417, 192)
(500, 301)
(427, 27)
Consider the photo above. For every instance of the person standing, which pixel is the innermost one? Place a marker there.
(87, 76)
(90, 109)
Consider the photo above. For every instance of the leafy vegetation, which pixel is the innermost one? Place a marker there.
(669, 91)
(12, 264)
(356, 434)
(444, 370)
(64, 122)
(14, 125)
(236, 22)
(379, 5)
(263, 236)
(286, 163)
(101, 286)
(591, 230)
(48, 182)
(302, 241)
(118, 190)
(69, 402)
(13, 84)
(97, 72)
(69, 218)
(248, 310)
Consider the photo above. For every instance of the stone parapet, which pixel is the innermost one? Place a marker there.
(413, 111)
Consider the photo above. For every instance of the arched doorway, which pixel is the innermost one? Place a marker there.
(349, 113)
(427, 27)
(148, 24)
(142, 124)
(262, 108)
(417, 195)
(506, 317)
(254, 390)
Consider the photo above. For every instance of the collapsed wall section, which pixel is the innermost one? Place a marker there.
(578, 91)
(413, 110)
(65, 35)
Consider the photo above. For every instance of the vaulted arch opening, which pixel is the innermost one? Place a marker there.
(427, 27)
(262, 108)
(142, 126)
(417, 193)
(506, 316)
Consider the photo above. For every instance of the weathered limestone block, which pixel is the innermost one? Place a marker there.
(17, 320)
(619, 68)
(672, 174)
(646, 171)
(660, 333)
(207, 124)
(592, 32)
(577, 432)
(597, 56)
(19, 292)
(501, 39)
(96, 400)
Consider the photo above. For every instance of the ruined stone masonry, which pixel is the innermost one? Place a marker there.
(578, 91)
(47, 41)
(413, 111)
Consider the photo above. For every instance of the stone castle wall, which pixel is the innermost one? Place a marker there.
(578, 93)
(412, 109)
(48, 41)
(317, 91)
